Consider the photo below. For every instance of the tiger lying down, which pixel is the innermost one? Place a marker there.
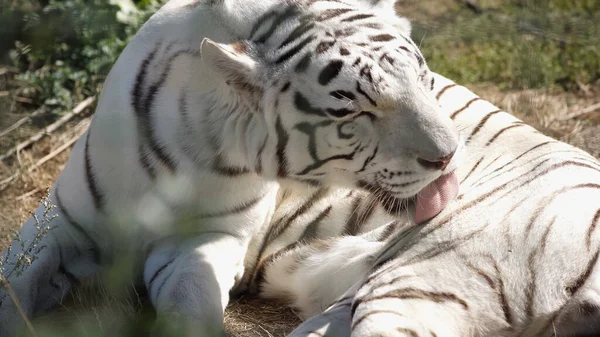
(304, 150)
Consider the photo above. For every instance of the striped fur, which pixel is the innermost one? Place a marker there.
(515, 254)
(229, 132)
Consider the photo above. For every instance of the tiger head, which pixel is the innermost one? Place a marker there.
(345, 95)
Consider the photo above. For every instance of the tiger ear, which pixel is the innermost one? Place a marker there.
(231, 62)
(388, 8)
(403, 25)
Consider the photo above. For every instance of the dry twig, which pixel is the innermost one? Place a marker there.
(28, 194)
(578, 113)
(82, 127)
(50, 128)
(15, 299)
(20, 122)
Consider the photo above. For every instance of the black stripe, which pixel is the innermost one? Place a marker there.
(350, 228)
(302, 104)
(330, 72)
(381, 38)
(472, 170)
(419, 59)
(290, 12)
(521, 155)
(262, 20)
(303, 63)
(282, 140)
(342, 95)
(360, 91)
(453, 115)
(369, 159)
(145, 114)
(219, 167)
(297, 33)
(259, 156)
(374, 312)
(312, 229)
(71, 278)
(340, 113)
(90, 178)
(294, 50)
(235, 210)
(514, 125)
(443, 90)
(389, 230)
(365, 72)
(277, 229)
(482, 123)
(443, 221)
(357, 17)
(143, 158)
(332, 13)
(592, 227)
(95, 249)
(324, 46)
(158, 272)
(580, 281)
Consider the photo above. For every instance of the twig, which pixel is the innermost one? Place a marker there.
(4, 93)
(20, 122)
(23, 100)
(578, 113)
(15, 300)
(50, 128)
(56, 152)
(28, 194)
(5, 70)
(6, 182)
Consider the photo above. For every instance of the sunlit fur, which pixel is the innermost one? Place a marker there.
(516, 254)
(217, 122)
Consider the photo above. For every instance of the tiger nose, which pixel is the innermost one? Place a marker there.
(436, 164)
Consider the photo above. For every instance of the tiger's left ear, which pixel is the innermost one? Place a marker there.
(388, 7)
(232, 62)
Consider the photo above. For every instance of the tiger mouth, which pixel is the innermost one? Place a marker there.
(428, 201)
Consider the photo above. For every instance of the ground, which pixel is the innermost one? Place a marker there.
(570, 114)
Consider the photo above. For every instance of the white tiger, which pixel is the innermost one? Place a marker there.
(219, 128)
(514, 254)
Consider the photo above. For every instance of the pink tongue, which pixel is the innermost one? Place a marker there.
(435, 196)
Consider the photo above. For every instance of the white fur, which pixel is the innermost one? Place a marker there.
(181, 171)
(500, 260)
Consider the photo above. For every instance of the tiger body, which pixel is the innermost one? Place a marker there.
(208, 188)
(205, 158)
(515, 254)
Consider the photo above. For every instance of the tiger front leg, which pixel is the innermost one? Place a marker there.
(189, 283)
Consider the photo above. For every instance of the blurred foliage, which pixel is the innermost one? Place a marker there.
(516, 44)
(65, 48)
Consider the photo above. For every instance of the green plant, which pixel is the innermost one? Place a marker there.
(66, 48)
(517, 44)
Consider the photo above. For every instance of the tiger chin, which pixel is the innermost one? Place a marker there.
(224, 132)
